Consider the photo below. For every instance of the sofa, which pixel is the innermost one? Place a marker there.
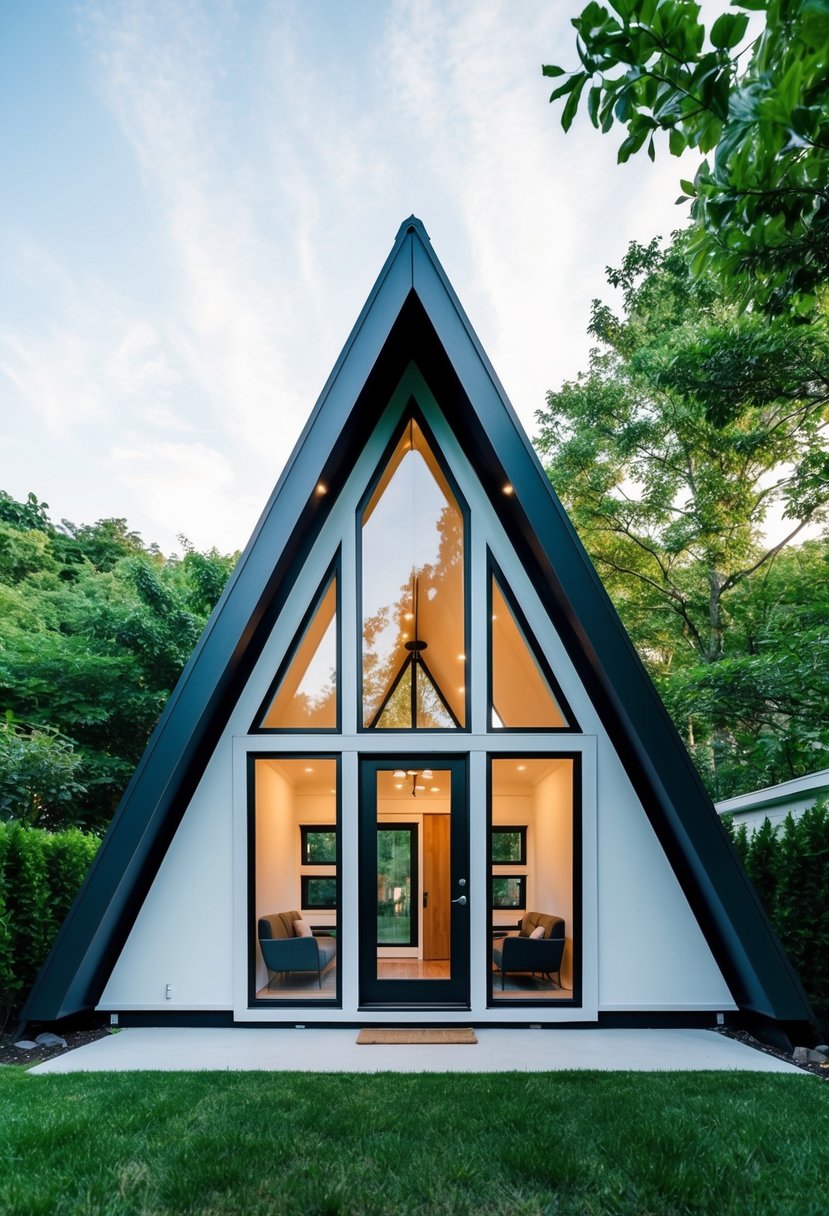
(540, 955)
(283, 951)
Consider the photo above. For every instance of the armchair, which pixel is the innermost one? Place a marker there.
(284, 952)
(539, 955)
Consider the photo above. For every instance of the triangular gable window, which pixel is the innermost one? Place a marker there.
(413, 597)
(523, 691)
(304, 695)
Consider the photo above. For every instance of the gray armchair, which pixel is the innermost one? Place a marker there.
(284, 952)
(538, 955)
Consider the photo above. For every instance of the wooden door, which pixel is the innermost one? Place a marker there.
(436, 919)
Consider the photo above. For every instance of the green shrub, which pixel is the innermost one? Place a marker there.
(790, 868)
(40, 874)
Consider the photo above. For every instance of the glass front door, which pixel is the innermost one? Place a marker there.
(414, 883)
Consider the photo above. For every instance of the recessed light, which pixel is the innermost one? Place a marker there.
(521, 767)
(398, 772)
(398, 786)
(427, 774)
(408, 616)
(420, 787)
(507, 489)
(321, 489)
(461, 658)
(462, 688)
(435, 789)
(309, 769)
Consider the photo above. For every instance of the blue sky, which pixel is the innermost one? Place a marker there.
(198, 194)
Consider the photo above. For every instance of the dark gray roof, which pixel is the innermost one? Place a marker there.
(412, 313)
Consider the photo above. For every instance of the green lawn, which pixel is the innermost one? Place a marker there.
(518, 1144)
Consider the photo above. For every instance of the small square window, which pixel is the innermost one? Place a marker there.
(318, 892)
(509, 846)
(319, 846)
(509, 891)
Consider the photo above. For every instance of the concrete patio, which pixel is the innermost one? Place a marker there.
(335, 1050)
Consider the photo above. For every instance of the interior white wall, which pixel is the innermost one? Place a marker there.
(651, 952)
(553, 851)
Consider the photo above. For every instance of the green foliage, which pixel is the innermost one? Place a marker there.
(693, 426)
(761, 202)
(40, 875)
(37, 775)
(790, 868)
(94, 632)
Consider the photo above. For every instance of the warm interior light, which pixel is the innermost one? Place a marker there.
(461, 658)
(398, 786)
(309, 770)
(435, 789)
(321, 489)
(427, 774)
(521, 767)
(398, 772)
(508, 489)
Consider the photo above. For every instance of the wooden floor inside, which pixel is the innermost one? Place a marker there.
(412, 969)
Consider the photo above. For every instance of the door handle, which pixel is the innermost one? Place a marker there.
(460, 900)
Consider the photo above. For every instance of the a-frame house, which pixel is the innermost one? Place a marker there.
(414, 769)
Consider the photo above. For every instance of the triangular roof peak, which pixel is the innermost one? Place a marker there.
(413, 314)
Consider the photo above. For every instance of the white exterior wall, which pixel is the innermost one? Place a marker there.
(642, 946)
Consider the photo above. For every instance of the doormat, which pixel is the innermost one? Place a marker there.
(415, 1034)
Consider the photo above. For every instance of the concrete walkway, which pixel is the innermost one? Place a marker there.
(337, 1051)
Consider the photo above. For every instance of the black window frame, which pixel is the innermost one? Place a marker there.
(305, 829)
(502, 829)
(308, 904)
(521, 879)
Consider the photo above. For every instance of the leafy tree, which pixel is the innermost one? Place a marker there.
(95, 629)
(761, 201)
(693, 422)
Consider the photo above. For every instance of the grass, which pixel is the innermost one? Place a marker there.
(518, 1144)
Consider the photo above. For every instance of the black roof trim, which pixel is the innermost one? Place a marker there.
(411, 314)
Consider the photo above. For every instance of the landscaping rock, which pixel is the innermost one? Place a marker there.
(823, 1048)
(25, 1045)
(808, 1055)
(47, 1039)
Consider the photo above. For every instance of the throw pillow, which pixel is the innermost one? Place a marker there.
(302, 928)
(537, 932)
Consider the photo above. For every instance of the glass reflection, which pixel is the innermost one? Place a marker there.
(413, 595)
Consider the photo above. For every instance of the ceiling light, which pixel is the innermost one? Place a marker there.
(461, 658)
(309, 769)
(321, 489)
(398, 772)
(420, 787)
(398, 786)
(507, 489)
(521, 767)
(427, 773)
(435, 789)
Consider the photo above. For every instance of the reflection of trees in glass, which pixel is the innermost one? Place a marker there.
(394, 885)
(432, 598)
(508, 892)
(508, 845)
(319, 847)
(319, 892)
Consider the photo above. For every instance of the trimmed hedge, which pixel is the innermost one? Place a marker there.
(790, 868)
(40, 874)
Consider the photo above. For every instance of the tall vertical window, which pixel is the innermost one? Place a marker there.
(413, 617)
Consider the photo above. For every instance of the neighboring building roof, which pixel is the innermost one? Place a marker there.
(777, 801)
(412, 313)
